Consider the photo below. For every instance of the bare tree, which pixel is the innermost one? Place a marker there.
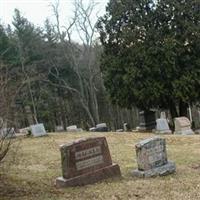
(81, 56)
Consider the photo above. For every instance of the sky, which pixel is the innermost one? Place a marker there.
(37, 11)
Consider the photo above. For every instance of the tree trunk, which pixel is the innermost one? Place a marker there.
(173, 111)
(183, 109)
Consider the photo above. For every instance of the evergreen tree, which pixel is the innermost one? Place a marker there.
(151, 53)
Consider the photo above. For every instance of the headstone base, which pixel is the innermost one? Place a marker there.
(166, 169)
(89, 178)
(163, 132)
(184, 132)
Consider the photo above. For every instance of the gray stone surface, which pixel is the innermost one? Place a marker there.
(162, 126)
(38, 130)
(183, 126)
(7, 133)
(152, 158)
(163, 170)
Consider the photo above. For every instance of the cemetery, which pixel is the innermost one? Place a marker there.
(99, 100)
(41, 161)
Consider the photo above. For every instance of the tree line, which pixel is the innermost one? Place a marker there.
(47, 77)
(147, 57)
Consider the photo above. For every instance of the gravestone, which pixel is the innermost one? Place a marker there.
(38, 130)
(152, 158)
(162, 126)
(7, 133)
(86, 161)
(147, 120)
(126, 127)
(74, 128)
(59, 128)
(183, 126)
(93, 129)
(101, 127)
(25, 130)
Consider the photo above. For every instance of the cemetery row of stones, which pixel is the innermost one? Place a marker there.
(147, 123)
(87, 161)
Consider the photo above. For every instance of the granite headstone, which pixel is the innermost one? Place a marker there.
(152, 158)
(183, 126)
(86, 161)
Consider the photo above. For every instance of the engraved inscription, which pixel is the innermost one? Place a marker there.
(156, 153)
(156, 149)
(155, 157)
(89, 162)
(88, 152)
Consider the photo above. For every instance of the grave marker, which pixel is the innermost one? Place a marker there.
(152, 158)
(86, 161)
(162, 126)
(38, 130)
(147, 120)
(183, 126)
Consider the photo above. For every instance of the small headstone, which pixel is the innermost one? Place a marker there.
(152, 158)
(162, 126)
(38, 130)
(7, 133)
(126, 127)
(25, 130)
(93, 129)
(101, 127)
(86, 161)
(72, 128)
(119, 130)
(163, 115)
(147, 121)
(183, 126)
(59, 128)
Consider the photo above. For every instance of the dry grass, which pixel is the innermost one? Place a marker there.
(32, 175)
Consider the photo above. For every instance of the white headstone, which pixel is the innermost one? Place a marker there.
(73, 128)
(7, 133)
(162, 126)
(183, 126)
(102, 125)
(59, 128)
(163, 115)
(25, 130)
(38, 130)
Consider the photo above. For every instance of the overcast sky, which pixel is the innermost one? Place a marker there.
(37, 11)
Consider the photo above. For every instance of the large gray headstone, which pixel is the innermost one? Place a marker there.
(152, 158)
(162, 126)
(183, 126)
(38, 130)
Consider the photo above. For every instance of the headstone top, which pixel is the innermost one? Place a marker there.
(184, 121)
(163, 115)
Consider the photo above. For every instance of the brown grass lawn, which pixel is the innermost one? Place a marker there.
(33, 164)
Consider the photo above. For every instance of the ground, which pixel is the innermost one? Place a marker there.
(33, 164)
